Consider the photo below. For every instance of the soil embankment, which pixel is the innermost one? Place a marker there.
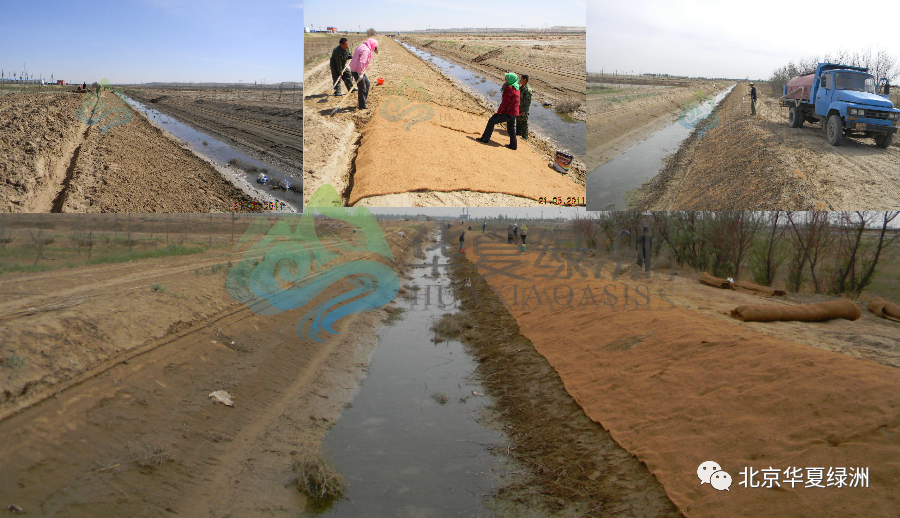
(254, 122)
(125, 356)
(628, 114)
(555, 63)
(677, 384)
(51, 161)
(402, 159)
(760, 163)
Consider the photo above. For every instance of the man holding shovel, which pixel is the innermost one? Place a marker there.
(339, 57)
(362, 57)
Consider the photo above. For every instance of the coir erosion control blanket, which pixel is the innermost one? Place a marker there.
(437, 151)
(676, 388)
(885, 309)
(842, 308)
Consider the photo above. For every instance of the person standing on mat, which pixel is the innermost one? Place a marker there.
(339, 57)
(362, 57)
(524, 106)
(508, 111)
(644, 248)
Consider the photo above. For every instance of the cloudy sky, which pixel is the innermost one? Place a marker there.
(404, 15)
(729, 39)
(130, 41)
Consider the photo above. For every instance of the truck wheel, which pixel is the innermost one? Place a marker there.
(795, 118)
(884, 139)
(835, 130)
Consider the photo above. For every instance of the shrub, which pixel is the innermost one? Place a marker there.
(568, 106)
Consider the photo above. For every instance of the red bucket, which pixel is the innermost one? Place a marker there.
(380, 80)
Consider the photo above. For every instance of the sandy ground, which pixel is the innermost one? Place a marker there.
(555, 63)
(760, 163)
(50, 161)
(254, 121)
(333, 143)
(128, 370)
(576, 468)
(619, 120)
(795, 394)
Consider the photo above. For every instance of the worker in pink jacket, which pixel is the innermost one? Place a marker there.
(362, 58)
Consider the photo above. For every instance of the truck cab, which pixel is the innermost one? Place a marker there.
(846, 101)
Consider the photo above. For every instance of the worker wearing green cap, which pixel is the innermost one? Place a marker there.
(508, 111)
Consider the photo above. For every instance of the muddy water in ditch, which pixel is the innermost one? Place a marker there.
(404, 450)
(608, 184)
(221, 153)
(569, 134)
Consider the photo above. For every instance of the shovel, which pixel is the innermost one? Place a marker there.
(340, 76)
(344, 98)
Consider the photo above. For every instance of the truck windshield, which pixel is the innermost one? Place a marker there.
(858, 82)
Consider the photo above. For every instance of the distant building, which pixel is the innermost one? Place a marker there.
(331, 29)
(306, 29)
(60, 82)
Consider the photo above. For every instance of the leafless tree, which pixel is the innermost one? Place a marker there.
(38, 242)
(857, 256)
(814, 236)
(769, 256)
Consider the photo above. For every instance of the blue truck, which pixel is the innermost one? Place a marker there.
(845, 100)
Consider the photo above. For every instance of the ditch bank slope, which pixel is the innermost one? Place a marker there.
(676, 388)
(51, 161)
(759, 163)
(391, 154)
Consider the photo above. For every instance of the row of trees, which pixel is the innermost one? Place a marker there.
(833, 252)
(880, 63)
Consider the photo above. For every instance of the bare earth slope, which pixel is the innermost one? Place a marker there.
(760, 163)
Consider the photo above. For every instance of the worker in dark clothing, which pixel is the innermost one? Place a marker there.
(84, 86)
(339, 57)
(752, 99)
(462, 241)
(644, 248)
(509, 234)
(508, 111)
(483, 227)
(524, 105)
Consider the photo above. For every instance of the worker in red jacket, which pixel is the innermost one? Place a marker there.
(508, 111)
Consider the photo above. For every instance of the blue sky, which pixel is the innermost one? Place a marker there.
(730, 39)
(131, 41)
(384, 15)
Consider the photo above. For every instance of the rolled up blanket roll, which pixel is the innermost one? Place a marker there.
(765, 290)
(842, 308)
(716, 282)
(885, 309)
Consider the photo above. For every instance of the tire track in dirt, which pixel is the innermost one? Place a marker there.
(60, 199)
